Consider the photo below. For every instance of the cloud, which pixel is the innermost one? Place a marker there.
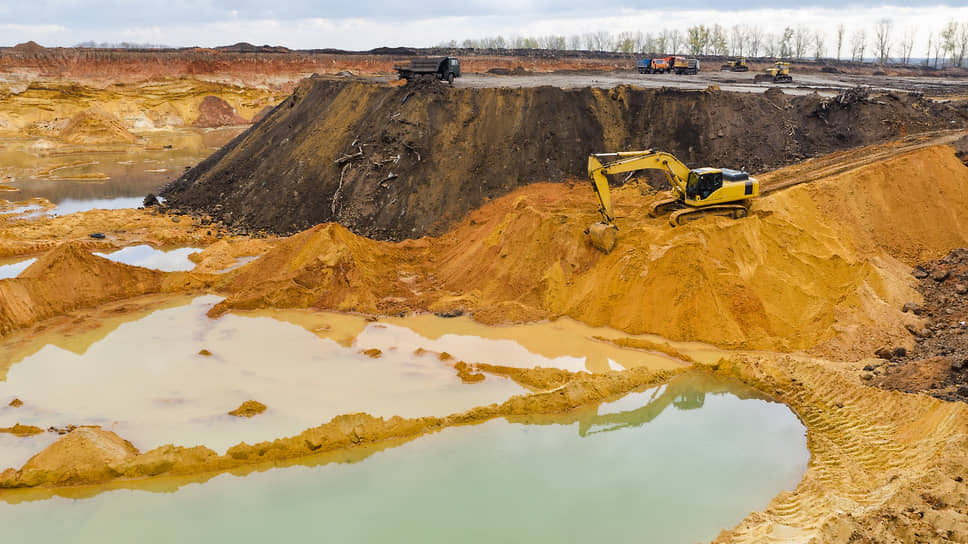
(221, 22)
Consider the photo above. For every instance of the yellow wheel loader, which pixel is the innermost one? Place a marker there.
(697, 192)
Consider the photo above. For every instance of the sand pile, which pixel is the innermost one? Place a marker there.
(824, 265)
(395, 162)
(96, 126)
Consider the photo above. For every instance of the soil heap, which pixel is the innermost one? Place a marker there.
(395, 162)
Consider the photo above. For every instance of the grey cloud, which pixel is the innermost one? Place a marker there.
(102, 13)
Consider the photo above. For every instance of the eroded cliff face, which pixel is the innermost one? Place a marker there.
(395, 162)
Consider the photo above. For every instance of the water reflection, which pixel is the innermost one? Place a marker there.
(681, 478)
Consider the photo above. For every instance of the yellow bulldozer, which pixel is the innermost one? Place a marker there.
(696, 192)
(735, 65)
(780, 73)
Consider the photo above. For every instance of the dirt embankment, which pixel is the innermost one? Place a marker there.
(394, 162)
(278, 69)
(69, 277)
(823, 266)
(884, 466)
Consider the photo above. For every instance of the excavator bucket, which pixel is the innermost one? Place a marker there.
(603, 236)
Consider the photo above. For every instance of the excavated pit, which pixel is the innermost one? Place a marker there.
(394, 162)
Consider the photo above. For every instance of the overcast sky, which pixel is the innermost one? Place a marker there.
(365, 24)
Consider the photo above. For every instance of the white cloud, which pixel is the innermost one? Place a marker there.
(363, 33)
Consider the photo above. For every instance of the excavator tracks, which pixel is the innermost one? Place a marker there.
(683, 216)
(664, 206)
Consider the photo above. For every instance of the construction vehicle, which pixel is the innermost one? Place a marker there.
(696, 192)
(780, 73)
(439, 67)
(735, 65)
(653, 66)
(682, 65)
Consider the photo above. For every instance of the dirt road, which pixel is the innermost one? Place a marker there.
(824, 84)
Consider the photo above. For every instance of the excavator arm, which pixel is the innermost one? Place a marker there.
(630, 161)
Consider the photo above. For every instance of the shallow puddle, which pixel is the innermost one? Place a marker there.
(563, 343)
(148, 381)
(145, 256)
(239, 262)
(14, 268)
(672, 464)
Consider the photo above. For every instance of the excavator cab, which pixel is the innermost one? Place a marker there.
(703, 182)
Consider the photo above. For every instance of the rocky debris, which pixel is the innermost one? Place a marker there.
(408, 161)
(150, 200)
(215, 112)
(467, 374)
(938, 363)
(205, 353)
(16, 403)
(372, 353)
(21, 430)
(248, 408)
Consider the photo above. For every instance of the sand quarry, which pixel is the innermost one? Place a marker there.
(447, 264)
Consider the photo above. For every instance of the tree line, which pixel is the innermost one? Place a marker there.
(882, 42)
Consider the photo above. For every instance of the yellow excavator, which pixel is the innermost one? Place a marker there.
(697, 192)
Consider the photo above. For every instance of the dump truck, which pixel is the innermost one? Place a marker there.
(682, 65)
(442, 68)
(653, 66)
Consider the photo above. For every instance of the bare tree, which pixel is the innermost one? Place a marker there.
(801, 39)
(882, 39)
(755, 40)
(662, 42)
(675, 41)
(907, 45)
(949, 37)
(574, 42)
(818, 44)
(962, 44)
(840, 38)
(858, 42)
(771, 45)
(718, 43)
(786, 43)
(737, 40)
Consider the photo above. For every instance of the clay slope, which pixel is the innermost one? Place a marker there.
(824, 265)
(69, 277)
(394, 162)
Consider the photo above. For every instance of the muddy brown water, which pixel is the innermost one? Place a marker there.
(675, 463)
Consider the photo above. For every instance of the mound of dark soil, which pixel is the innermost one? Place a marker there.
(395, 162)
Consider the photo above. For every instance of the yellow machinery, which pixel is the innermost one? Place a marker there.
(780, 73)
(699, 192)
(735, 65)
